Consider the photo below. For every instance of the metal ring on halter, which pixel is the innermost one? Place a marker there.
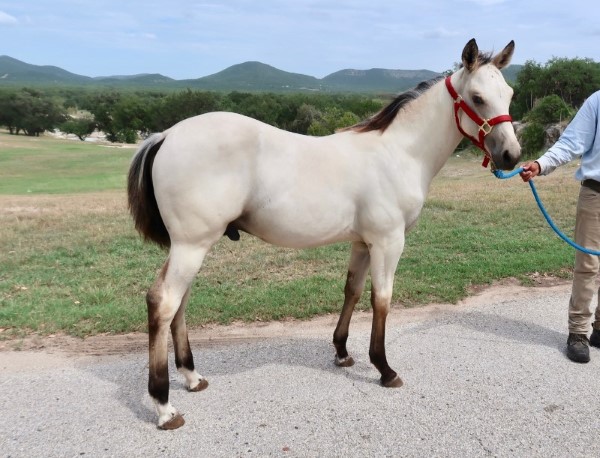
(485, 127)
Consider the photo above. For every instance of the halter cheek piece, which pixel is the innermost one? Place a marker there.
(485, 125)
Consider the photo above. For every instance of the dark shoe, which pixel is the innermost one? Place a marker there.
(595, 338)
(578, 349)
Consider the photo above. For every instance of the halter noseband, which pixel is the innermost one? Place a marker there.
(485, 125)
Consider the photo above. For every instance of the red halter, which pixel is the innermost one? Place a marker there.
(485, 125)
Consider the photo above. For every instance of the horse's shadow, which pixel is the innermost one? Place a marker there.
(313, 353)
(223, 359)
(498, 326)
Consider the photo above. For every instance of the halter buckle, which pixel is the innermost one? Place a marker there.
(485, 127)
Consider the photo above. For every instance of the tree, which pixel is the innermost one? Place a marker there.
(330, 121)
(81, 126)
(528, 89)
(102, 106)
(305, 116)
(573, 80)
(129, 116)
(9, 114)
(166, 111)
(30, 111)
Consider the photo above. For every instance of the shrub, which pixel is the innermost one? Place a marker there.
(532, 140)
(548, 110)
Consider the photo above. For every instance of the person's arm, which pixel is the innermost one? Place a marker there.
(577, 138)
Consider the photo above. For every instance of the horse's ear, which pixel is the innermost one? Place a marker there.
(503, 59)
(470, 55)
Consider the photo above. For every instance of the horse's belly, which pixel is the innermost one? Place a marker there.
(300, 229)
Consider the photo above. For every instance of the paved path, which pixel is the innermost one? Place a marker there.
(488, 379)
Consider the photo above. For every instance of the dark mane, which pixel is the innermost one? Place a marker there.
(382, 120)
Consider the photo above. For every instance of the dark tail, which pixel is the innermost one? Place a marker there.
(140, 193)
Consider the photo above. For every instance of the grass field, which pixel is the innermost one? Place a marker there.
(42, 165)
(70, 260)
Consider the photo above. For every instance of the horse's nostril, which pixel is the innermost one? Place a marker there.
(506, 157)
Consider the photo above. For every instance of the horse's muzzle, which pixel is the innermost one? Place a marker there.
(508, 160)
(505, 151)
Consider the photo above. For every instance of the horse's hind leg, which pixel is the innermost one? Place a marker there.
(164, 300)
(355, 283)
(184, 360)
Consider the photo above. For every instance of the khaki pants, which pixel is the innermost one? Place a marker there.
(587, 234)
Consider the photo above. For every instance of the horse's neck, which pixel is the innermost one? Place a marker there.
(426, 131)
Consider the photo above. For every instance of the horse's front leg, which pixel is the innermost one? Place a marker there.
(355, 283)
(384, 260)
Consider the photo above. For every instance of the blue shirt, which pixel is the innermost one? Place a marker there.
(581, 139)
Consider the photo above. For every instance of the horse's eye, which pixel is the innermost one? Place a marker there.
(477, 100)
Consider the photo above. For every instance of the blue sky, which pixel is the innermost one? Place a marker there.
(189, 39)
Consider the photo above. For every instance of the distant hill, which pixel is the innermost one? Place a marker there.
(377, 79)
(248, 76)
(511, 72)
(255, 76)
(144, 79)
(16, 72)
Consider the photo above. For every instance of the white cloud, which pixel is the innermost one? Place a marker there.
(7, 18)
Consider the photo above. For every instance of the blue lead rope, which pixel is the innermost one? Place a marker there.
(500, 174)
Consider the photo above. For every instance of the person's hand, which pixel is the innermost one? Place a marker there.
(530, 170)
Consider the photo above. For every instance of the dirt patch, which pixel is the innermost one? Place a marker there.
(505, 286)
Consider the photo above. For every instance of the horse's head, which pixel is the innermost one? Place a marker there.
(481, 103)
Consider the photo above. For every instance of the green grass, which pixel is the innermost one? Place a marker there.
(50, 166)
(71, 262)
